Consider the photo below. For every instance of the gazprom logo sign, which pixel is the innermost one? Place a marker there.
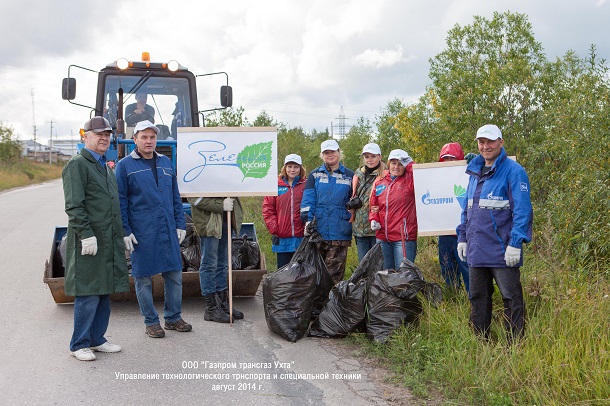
(427, 199)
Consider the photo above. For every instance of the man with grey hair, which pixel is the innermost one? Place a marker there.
(95, 250)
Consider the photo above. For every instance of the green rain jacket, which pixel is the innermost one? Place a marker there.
(208, 215)
(92, 206)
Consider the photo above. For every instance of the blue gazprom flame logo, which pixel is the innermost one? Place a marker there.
(427, 200)
(459, 192)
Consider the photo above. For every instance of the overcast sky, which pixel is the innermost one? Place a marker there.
(298, 60)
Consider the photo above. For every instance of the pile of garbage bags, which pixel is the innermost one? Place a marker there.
(372, 300)
(245, 253)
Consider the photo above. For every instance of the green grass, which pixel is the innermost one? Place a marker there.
(564, 358)
(25, 172)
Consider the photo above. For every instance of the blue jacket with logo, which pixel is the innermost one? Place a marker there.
(324, 198)
(499, 211)
(152, 212)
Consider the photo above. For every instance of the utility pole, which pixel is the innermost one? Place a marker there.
(34, 125)
(51, 143)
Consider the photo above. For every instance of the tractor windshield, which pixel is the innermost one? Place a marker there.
(165, 101)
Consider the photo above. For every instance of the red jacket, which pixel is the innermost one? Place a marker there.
(282, 212)
(396, 202)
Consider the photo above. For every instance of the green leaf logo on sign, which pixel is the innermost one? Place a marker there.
(254, 161)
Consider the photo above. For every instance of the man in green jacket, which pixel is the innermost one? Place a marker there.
(95, 250)
(210, 221)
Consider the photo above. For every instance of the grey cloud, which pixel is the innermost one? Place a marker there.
(40, 29)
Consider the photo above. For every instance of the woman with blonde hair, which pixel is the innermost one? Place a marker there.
(282, 212)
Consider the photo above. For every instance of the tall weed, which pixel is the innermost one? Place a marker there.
(563, 359)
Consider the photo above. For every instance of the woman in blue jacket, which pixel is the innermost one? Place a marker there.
(328, 189)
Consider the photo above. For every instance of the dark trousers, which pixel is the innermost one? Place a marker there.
(283, 258)
(452, 267)
(481, 291)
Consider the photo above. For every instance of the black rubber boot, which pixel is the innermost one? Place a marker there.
(213, 312)
(223, 302)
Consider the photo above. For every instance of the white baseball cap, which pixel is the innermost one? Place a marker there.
(329, 145)
(143, 125)
(401, 156)
(293, 158)
(489, 131)
(371, 148)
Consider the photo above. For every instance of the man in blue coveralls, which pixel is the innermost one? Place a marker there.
(154, 225)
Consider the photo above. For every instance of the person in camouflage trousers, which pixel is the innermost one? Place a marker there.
(364, 177)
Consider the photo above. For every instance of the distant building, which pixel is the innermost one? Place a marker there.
(65, 146)
(62, 150)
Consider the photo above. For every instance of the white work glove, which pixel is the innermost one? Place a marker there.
(461, 249)
(306, 231)
(181, 235)
(227, 204)
(512, 256)
(89, 246)
(375, 225)
(130, 241)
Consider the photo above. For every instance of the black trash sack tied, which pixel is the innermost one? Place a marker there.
(345, 310)
(59, 258)
(190, 248)
(392, 299)
(291, 295)
(245, 253)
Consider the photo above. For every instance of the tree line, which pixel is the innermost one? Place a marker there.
(554, 115)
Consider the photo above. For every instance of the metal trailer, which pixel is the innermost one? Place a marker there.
(172, 102)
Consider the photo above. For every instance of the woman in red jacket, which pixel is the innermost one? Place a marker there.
(282, 212)
(392, 213)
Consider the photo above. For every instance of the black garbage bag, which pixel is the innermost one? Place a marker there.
(59, 258)
(343, 313)
(190, 248)
(309, 252)
(392, 299)
(370, 264)
(291, 294)
(345, 310)
(432, 291)
(245, 253)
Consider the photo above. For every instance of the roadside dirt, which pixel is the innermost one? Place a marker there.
(384, 380)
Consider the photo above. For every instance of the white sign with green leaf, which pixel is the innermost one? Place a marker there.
(227, 161)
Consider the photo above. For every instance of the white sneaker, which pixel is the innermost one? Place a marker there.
(107, 347)
(84, 354)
